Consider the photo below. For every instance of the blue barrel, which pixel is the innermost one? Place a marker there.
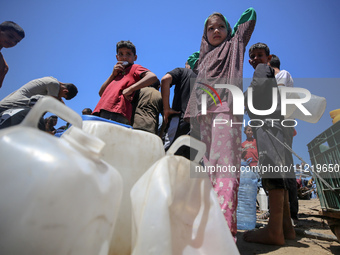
(246, 207)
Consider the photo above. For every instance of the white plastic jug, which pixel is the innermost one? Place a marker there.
(262, 198)
(174, 213)
(316, 106)
(56, 195)
(132, 153)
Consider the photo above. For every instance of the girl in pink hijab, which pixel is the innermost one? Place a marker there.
(221, 62)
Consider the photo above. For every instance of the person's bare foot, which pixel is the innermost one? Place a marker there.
(265, 236)
(288, 230)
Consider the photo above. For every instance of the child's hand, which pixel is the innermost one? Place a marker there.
(118, 68)
(128, 94)
(168, 113)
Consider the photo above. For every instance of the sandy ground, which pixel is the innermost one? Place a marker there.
(309, 220)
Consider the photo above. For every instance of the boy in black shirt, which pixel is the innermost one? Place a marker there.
(271, 152)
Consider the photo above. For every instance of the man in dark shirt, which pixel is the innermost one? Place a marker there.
(173, 117)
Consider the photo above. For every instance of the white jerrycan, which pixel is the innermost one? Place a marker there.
(132, 153)
(56, 195)
(175, 213)
(263, 200)
(315, 105)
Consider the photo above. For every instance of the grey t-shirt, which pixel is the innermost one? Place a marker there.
(43, 86)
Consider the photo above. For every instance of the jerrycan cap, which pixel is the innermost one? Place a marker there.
(82, 140)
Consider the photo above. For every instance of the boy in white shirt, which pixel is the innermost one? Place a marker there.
(283, 77)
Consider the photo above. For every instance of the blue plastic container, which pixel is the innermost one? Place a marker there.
(246, 207)
(93, 117)
(96, 118)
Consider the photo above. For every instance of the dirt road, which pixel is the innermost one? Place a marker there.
(309, 220)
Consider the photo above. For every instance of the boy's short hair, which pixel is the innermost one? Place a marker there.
(245, 128)
(126, 44)
(259, 45)
(72, 90)
(10, 25)
(275, 61)
(86, 111)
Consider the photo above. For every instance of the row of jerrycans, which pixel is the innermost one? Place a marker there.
(71, 195)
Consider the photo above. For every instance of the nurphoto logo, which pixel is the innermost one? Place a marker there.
(238, 103)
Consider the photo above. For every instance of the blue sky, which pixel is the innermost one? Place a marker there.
(74, 41)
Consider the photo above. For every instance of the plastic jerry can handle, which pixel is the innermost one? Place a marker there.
(190, 142)
(50, 104)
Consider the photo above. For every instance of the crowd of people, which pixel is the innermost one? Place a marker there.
(131, 96)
